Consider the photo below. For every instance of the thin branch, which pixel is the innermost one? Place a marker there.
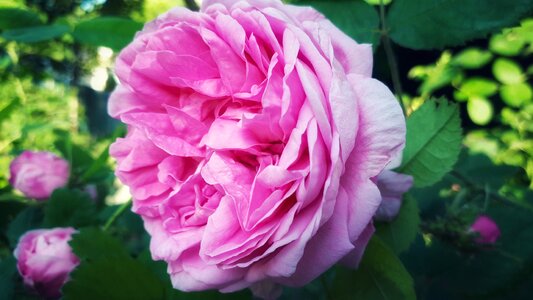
(122, 208)
(389, 53)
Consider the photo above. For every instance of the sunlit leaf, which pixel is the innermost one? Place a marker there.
(509, 44)
(478, 86)
(480, 110)
(472, 58)
(507, 71)
(516, 94)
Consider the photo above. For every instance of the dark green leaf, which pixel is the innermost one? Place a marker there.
(90, 32)
(400, 233)
(94, 244)
(69, 208)
(113, 278)
(35, 34)
(28, 219)
(8, 269)
(431, 24)
(433, 141)
(380, 276)
(356, 18)
(15, 18)
(79, 159)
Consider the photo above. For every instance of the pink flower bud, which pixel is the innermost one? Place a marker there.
(488, 230)
(45, 260)
(38, 174)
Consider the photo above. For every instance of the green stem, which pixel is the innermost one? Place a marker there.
(391, 58)
(474, 186)
(116, 214)
(325, 286)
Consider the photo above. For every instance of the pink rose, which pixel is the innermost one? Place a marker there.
(255, 131)
(392, 186)
(45, 260)
(487, 230)
(38, 174)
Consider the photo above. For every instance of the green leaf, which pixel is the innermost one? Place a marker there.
(28, 219)
(69, 208)
(35, 34)
(380, 276)
(15, 18)
(114, 278)
(480, 110)
(79, 159)
(400, 233)
(478, 86)
(94, 244)
(433, 142)
(378, 2)
(90, 32)
(516, 95)
(355, 18)
(8, 269)
(472, 58)
(8, 109)
(509, 44)
(507, 71)
(432, 24)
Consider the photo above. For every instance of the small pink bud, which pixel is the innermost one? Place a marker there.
(488, 230)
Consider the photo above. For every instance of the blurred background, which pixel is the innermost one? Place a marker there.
(56, 73)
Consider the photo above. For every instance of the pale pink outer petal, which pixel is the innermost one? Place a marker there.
(392, 186)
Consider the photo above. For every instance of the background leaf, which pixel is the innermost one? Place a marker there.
(93, 244)
(355, 18)
(91, 32)
(380, 276)
(36, 34)
(116, 278)
(27, 219)
(431, 24)
(15, 18)
(402, 231)
(433, 141)
(69, 208)
(8, 269)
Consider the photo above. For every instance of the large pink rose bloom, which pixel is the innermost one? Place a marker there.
(255, 135)
(38, 174)
(45, 260)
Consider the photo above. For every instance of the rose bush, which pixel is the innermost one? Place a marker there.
(255, 138)
(45, 260)
(38, 173)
